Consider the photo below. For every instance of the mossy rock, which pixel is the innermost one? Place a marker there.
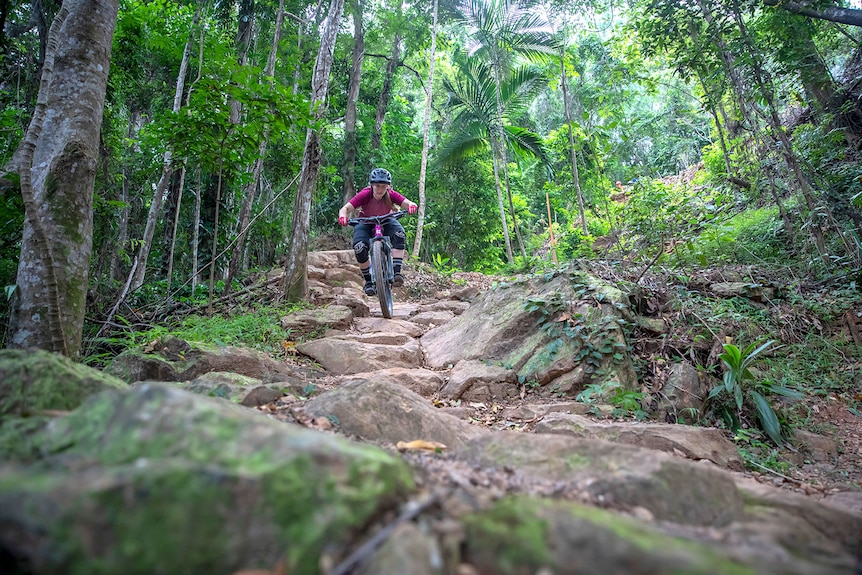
(158, 480)
(32, 381)
(542, 327)
(174, 359)
(522, 535)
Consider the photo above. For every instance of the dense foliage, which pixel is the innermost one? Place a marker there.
(684, 135)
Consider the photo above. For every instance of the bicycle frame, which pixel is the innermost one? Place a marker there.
(387, 251)
(381, 269)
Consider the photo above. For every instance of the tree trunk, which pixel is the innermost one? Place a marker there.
(352, 97)
(167, 170)
(296, 262)
(420, 216)
(502, 149)
(244, 35)
(510, 257)
(173, 238)
(250, 190)
(764, 84)
(576, 179)
(56, 163)
(123, 223)
(386, 90)
(214, 251)
(196, 234)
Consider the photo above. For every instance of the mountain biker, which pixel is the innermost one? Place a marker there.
(377, 199)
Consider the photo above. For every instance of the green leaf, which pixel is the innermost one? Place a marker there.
(749, 357)
(715, 391)
(737, 394)
(729, 381)
(768, 418)
(785, 391)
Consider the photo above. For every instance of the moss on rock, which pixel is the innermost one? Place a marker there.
(34, 380)
(158, 480)
(521, 535)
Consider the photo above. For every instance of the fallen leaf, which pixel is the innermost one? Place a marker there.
(419, 444)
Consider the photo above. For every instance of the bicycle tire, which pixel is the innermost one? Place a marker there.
(384, 290)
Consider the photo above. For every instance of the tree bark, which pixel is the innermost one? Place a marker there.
(386, 90)
(167, 170)
(420, 215)
(250, 190)
(495, 155)
(56, 163)
(831, 13)
(352, 97)
(764, 84)
(575, 176)
(296, 262)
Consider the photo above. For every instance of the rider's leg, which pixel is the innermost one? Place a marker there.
(361, 235)
(396, 233)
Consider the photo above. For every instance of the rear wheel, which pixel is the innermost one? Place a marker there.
(384, 290)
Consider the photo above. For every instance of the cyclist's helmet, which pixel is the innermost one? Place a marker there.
(380, 176)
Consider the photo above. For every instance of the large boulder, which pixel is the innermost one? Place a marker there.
(671, 488)
(526, 535)
(34, 380)
(174, 359)
(158, 480)
(346, 354)
(545, 329)
(377, 410)
(34, 386)
(686, 440)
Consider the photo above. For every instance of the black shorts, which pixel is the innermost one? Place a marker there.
(392, 228)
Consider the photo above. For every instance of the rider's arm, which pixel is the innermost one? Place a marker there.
(346, 210)
(405, 205)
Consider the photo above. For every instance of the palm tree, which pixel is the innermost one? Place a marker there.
(480, 104)
(500, 30)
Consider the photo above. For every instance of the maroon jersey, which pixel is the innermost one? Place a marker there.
(365, 201)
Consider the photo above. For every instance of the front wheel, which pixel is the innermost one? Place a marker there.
(384, 290)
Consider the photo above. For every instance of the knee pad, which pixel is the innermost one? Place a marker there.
(360, 249)
(399, 240)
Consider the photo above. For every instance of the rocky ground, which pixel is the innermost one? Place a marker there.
(503, 474)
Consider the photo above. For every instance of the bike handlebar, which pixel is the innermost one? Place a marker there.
(376, 219)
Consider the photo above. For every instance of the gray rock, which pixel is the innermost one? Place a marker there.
(692, 442)
(382, 411)
(345, 355)
(477, 381)
(158, 480)
(318, 319)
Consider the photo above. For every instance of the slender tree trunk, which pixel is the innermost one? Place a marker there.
(250, 190)
(386, 90)
(420, 216)
(576, 179)
(244, 35)
(123, 224)
(508, 184)
(173, 239)
(167, 170)
(764, 83)
(296, 264)
(510, 257)
(56, 163)
(502, 149)
(214, 251)
(196, 234)
(350, 140)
